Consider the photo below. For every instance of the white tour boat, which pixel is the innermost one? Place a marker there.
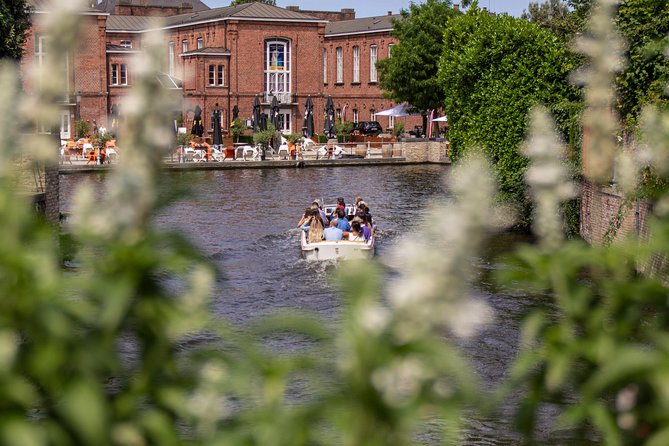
(336, 249)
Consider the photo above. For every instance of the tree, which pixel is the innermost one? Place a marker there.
(492, 71)
(241, 2)
(552, 14)
(410, 74)
(14, 24)
(644, 24)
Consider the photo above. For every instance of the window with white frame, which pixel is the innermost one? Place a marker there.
(391, 121)
(119, 74)
(356, 64)
(325, 65)
(372, 63)
(220, 76)
(212, 75)
(200, 43)
(372, 115)
(170, 58)
(124, 74)
(278, 69)
(340, 65)
(356, 115)
(390, 49)
(184, 46)
(126, 43)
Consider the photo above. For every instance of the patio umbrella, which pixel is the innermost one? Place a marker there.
(114, 116)
(235, 112)
(198, 127)
(256, 114)
(329, 127)
(399, 110)
(263, 121)
(275, 113)
(217, 137)
(309, 118)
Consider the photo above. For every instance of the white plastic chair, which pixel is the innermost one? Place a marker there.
(250, 150)
(283, 149)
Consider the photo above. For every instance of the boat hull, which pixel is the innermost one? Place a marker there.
(336, 249)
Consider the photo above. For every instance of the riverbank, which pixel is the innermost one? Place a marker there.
(81, 166)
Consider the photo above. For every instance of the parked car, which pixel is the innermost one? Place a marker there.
(367, 128)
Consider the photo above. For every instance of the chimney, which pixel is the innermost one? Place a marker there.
(293, 8)
(456, 6)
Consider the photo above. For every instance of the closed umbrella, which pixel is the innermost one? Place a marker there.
(256, 114)
(329, 127)
(198, 127)
(217, 137)
(274, 111)
(309, 118)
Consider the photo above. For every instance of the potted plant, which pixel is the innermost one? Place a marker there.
(262, 139)
(237, 128)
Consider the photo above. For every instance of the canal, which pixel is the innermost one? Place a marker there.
(245, 221)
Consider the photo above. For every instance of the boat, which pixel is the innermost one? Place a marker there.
(337, 249)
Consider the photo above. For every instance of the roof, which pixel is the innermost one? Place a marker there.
(130, 23)
(208, 51)
(363, 25)
(109, 5)
(246, 11)
(111, 48)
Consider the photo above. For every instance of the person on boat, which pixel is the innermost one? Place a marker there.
(315, 233)
(342, 221)
(367, 228)
(333, 232)
(321, 212)
(341, 204)
(304, 221)
(356, 234)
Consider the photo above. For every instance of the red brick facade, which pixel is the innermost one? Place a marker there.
(224, 64)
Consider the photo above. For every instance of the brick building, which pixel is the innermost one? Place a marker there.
(225, 57)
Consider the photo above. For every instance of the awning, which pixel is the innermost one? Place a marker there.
(441, 119)
(169, 82)
(399, 110)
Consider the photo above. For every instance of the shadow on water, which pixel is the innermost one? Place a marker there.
(245, 221)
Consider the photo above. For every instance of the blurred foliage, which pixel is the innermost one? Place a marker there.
(123, 350)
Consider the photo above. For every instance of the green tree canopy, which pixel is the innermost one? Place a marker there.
(239, 2)
(410, 75)
(14, 24)
(493, 69)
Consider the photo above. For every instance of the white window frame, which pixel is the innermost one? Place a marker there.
(170, 58)
(123, 74)
(356, 64)
(200, 43)
(390, 49)
(373, 53)
(356, 116)
(212, 75)
(325, 66)
(114, 74)
(391, 122)
(372, 115)
(184, 46)
(220, 75)
(126, 43)
(340, 65)
(277, 80)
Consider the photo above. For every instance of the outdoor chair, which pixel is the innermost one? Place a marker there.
(284, 150)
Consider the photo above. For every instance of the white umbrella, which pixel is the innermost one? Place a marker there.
(441, 119)
(399, 110)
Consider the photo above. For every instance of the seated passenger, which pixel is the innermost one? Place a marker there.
(342, 222)
(356, 234)
(333, 232)
(304, 221)
(367, 228)
(315, 233)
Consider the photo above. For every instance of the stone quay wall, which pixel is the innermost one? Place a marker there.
(420, 150)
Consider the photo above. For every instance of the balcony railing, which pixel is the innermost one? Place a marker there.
(283, 98)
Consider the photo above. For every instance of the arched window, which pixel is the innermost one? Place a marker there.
(277, 70)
